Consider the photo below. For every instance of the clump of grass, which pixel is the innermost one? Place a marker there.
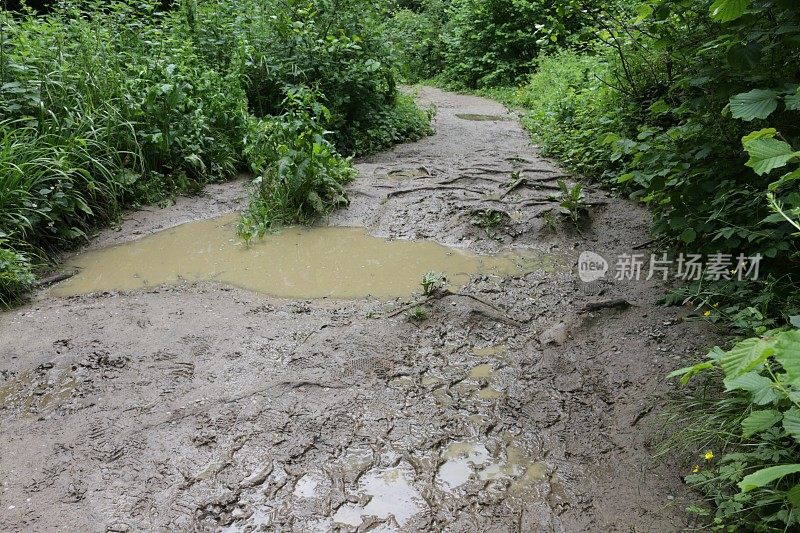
(418, 314)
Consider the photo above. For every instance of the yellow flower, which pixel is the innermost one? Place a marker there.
(708, 455)
(707, 313)
(696, 469)
(714, 305)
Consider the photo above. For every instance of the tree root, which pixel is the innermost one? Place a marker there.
(440, 294)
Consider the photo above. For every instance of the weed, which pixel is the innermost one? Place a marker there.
(418, 314)
(431, 281)
(550, 221)
(572, 201)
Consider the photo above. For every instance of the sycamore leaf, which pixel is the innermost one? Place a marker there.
(768, 154)
(758, 103)
(728, 10)
(787, 352)
(766, 476)
(759, 421)
(791, 422)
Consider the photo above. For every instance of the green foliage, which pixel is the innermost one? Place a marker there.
(487, 43)
(417, 40)
(754, 482)
(104, 105)
(16, 276)
(300, 174)
(430, 281)
(418, 314)
(572, 201)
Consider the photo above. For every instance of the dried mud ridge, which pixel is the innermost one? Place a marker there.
(202, 407)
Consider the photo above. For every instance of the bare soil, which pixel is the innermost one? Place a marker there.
(204, 407)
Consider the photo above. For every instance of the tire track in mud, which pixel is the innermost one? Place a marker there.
(199, 407)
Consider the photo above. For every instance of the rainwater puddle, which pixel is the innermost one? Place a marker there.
(481, 118)
(334, 262)
(470, 459)
(390, 493)
(499, 352)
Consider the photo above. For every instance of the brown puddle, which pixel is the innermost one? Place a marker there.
(335, 262)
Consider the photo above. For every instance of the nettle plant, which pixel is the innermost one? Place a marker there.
(762, 452)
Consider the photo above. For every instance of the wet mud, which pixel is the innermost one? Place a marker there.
(199, 405)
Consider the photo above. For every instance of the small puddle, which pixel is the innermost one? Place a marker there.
(467, 459)
(481, 372)
(499, 352)
(334, 262)
(462, 459)
(390, 494)
(482, 118)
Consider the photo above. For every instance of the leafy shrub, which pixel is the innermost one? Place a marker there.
(416, 35)
(753, 480)
(301, 176)
(570, 111)
(16, 276)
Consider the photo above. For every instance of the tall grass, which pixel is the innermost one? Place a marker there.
(110, 104)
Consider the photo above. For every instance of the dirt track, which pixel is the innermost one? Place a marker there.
(206, 407)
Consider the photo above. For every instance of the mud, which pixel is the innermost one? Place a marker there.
(318, 262)
(204, 407)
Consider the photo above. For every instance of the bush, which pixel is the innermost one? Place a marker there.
(301, 176)
(16, 276)
(752, 478)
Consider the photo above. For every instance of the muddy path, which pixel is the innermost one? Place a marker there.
(201, 406)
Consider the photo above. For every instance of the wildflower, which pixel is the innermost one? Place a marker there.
(696, 469)
(707, 313)
(708, 455)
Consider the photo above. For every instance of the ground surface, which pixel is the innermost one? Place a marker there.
(205, 407)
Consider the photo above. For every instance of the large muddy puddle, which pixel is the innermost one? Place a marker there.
(336, 262)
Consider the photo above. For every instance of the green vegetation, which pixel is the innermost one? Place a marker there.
(692, 107)
(110, 104)
(418, 314)
(431, 281)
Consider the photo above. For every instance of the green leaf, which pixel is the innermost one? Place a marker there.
(643, 11)
(758, 103)
(728, 10)
(688, 235)
(787, 352)
(793, 495)
(795, 320)
(791, 422)
(744, 57)
(759, 387)
(689, 372)
(768, 154)
(766, 476)
(759, 421)
(759, 134)
(786, 178)
(746, 356)
(793, 101)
